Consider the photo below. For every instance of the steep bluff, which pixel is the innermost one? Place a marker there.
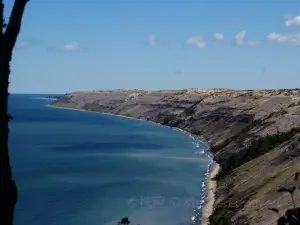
(255, 137)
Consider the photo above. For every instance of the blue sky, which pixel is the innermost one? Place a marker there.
(79, 45)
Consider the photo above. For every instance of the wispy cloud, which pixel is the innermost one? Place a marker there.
(151, 41)
(73, 47)
(218, 36)
(292, 21)
(27, 43)
(289, 39)
(196, 41)
(239, 37)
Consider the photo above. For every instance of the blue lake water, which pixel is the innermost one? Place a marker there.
(83, 168)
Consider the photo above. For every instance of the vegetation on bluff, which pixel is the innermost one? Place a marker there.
(257, 148)
(167, 119)
(128, 114)
(54, 96)
(242, 133)
(196, 131)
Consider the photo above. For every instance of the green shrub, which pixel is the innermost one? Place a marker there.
(195, 131)
(167, 119)
(243, 132)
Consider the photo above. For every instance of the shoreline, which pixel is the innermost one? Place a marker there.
(211, 186)
(205, 209)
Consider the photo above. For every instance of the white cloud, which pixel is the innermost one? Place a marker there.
(253, 43)
(219, 36)
(152, 41)
(239, 37)
(197, 41)
(73, 47)
(293, 21)
(27, 43)
(289, 39)
(273, 36)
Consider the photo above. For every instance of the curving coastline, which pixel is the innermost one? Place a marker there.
(206, 208)
(234, 123)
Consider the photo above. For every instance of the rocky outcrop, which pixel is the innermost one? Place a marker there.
(255, 136)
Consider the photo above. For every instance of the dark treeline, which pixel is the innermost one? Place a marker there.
(256, 148)
(54, 96)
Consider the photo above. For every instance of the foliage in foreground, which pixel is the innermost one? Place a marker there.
(125, 221)
(9, 34)
(242, 133)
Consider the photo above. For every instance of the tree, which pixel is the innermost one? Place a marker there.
(124, 221)
(9, 34)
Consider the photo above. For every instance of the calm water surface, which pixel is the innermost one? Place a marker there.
(83, 168)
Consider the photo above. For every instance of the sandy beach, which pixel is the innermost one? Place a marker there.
(211, 185)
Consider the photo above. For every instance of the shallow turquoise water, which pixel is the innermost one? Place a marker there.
(83, 168)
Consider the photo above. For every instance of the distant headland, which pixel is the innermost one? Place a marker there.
(51, 97)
